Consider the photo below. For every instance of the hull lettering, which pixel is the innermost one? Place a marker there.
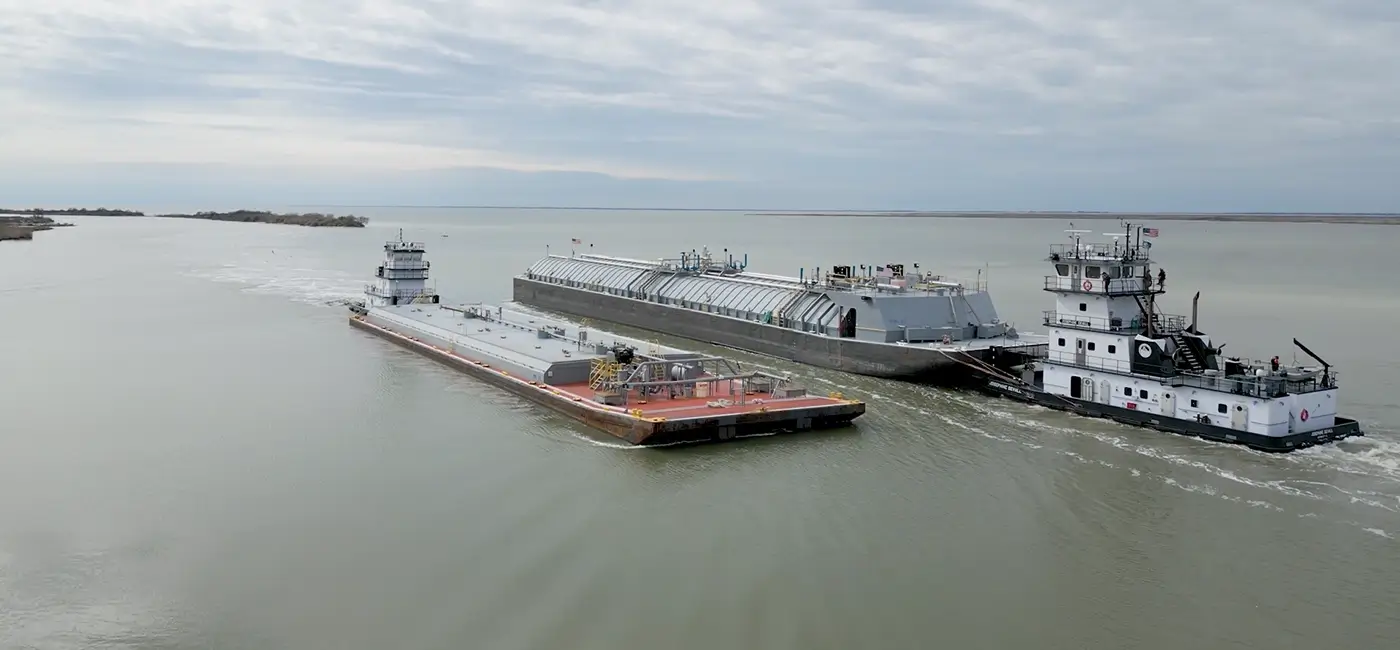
(1007, 387)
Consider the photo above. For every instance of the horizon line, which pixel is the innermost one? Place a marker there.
(808, 211)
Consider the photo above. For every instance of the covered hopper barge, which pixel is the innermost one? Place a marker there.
(882, 321)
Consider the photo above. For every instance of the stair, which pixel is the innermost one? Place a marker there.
(1188, 354)
(602, 373)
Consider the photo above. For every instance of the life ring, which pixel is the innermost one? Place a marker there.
(1303, 414)
(948, 339)
(1088, 286)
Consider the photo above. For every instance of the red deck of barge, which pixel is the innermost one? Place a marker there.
(674, 408)
(655, 420)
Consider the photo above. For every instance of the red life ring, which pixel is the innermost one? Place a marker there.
(1304, 415)
(1088, 286)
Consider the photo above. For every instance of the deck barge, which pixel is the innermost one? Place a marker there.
(637, 391)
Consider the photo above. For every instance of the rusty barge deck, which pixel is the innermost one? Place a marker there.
(637, 391)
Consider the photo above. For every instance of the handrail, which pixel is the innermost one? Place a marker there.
(1116, 286)
(1267, 386)
(1099, 251)
(913, 283)
(374, 290)
(1163, 323)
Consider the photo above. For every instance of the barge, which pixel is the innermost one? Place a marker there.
(876, 320)
(637, 391)
(1113, 354)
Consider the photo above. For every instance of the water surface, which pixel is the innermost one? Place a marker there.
(197, 452)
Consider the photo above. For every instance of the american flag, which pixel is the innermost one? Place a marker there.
(577, 240)
(1149, 232)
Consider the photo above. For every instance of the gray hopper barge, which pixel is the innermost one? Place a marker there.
(871, 320)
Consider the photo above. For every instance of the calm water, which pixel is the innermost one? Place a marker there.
(197, 452)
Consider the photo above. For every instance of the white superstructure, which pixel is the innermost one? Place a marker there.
(402, 277)
(1110, 346)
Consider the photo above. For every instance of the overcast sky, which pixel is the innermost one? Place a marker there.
(933, 104)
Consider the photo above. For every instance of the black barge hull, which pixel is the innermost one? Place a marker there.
(917, 364)
(1344, 427)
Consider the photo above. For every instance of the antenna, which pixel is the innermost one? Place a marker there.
(1074, 236)
(1115, 237)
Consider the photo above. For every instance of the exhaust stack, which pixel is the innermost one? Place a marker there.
(1195, 310)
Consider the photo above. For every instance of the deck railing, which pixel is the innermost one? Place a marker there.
(913, 283)
(401, 274)
(396, 263)
(1268, 386)
(1088, 250)
(374, 290)
(1163, 324)
(1116, 286)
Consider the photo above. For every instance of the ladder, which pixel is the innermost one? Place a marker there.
(603, 372)
(1188, 354)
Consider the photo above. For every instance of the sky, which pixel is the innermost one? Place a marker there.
(1194, 105)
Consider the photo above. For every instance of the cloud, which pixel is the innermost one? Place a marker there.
(984, 103)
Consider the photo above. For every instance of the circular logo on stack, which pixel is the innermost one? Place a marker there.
(1144, 350)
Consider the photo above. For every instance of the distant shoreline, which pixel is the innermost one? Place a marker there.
(309, 219)
(317, 219)
(16, 226)
(1242, 217)
(73, 212)
(1381, 218)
